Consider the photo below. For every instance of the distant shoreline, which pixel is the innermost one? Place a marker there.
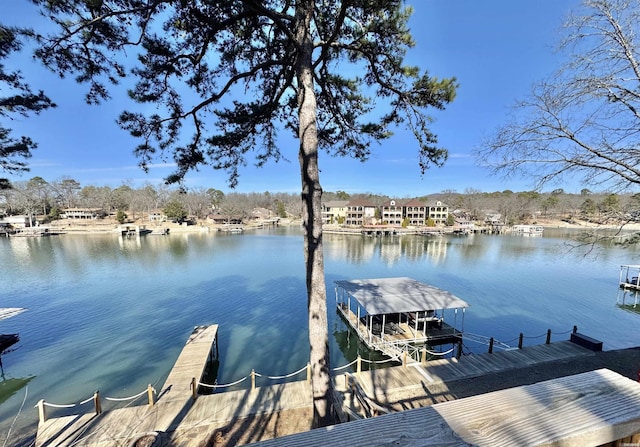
(70, 228)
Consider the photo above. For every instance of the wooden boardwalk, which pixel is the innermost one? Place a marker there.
(189, 422)
(589, 409)
(197, 352)
(117, 427)
(389, 385)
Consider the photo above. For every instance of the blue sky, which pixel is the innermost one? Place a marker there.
(497, 49)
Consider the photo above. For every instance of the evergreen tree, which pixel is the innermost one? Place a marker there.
(19, 100)
(227, 76)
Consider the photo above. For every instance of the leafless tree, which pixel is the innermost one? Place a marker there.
(584, 121)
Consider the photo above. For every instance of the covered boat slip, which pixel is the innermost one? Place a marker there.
(400, 315)
(630, 276)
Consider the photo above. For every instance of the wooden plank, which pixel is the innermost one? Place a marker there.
(116, 426)
(592, 408)
(579, 410)
(190, 363)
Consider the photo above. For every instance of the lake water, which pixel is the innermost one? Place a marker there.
(112, 314)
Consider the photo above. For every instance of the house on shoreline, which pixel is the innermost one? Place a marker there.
(395, 212)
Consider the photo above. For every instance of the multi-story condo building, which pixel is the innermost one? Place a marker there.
(392, 212)
(416, 212)
(412, 212)
(334, 211)
(360, 212)
(438, 212)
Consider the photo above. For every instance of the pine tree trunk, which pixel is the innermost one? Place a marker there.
(322, 386)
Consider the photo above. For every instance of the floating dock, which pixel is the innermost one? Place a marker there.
(399, 316)
(630, 276)
(182, 421)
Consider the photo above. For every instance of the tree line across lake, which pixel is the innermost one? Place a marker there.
(37, 197)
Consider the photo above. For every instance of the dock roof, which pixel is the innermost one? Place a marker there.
(396, 295)
(8, 312)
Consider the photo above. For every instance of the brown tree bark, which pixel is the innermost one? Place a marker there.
(322, 386)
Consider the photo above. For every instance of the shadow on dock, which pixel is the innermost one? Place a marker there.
(180, 418)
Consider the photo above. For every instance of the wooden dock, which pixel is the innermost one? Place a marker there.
(389, 386)
(185, 422)
(594, 408)
(201, 347)
(405, 340)
(115, 427)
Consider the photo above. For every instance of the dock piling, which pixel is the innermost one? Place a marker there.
(548, 342)
(96, 402)
(520, 340)
(309, 372)
(253, 379)
(359, 365)
(491, 345)
(150, 395)
(42, 412)
(194, 389)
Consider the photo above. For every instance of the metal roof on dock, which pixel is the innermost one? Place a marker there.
(396, 295)
(8, 312)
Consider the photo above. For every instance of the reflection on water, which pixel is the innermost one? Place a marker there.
(9, 387)
(388, 249)
(112, 314)
(628, 300)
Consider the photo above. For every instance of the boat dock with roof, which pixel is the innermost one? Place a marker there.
(8, 340)
(630, 276)
(400, 316)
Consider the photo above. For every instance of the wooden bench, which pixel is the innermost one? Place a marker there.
(586, 342)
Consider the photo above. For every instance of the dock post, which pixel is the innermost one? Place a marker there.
(96, 402)
(459, 353)
(491, 345)
(309, 372)
(548, 336)
(150, 395)
(359, 365)
(423, 358)
(194, 389)
(404, 359)
(42, 412)
(575, 329)
(253, 379)
(520, 340)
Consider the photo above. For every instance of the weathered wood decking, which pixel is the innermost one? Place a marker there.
(190, 422)
(116, 427)
(390, 385)
(588, 409)
(200, 347)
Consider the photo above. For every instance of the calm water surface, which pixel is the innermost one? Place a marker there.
(112, 314)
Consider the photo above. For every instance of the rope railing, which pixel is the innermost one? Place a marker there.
(286, 376)
(226, 385)
(345, 366)
(405, 353)
(520, 339)
(377, 361)
(124, 399)
(42, 404)
(436, 353)
(48, 404)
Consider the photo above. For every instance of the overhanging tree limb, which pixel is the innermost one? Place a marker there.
(227, 75)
